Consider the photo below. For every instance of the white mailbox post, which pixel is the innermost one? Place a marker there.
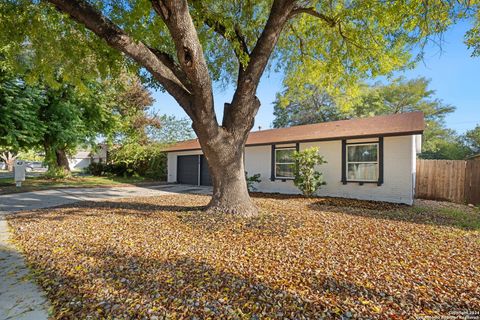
(19, 172)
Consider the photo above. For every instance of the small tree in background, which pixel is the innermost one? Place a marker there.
(307, 179)
(472, 139)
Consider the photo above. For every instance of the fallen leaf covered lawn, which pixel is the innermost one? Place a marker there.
(162, 257)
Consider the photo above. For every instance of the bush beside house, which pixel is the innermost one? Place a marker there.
(134, 160)
(307, 179)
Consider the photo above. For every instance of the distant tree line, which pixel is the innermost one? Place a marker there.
(310, 104)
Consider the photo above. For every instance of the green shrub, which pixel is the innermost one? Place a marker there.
(97, 169)
(252, 180)
(142, 160)
(307, 179)
(118, 169)
(55, 172)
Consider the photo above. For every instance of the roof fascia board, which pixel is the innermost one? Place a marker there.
(396, 134)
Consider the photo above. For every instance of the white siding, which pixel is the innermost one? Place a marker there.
(78, 163)
(399, 171)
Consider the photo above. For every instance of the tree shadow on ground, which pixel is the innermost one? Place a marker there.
(195, 216)
(120, 208)
(126, 286)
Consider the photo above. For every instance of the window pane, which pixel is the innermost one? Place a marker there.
(284, 155)
(285, 170)
(362, 171)
(362, 153)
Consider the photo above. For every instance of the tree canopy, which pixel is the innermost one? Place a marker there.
(335, 43)
(472, 139)
(72, 118)
(292, 108)
(20, 126)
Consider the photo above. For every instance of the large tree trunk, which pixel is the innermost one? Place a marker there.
(224, 151)
(9, 164)
(62, 159)
(230, 192)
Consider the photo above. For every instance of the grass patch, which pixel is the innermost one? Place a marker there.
(7, 185)
(462, 218)
(423, 212)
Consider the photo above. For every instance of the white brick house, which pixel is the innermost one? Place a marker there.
(371, 158)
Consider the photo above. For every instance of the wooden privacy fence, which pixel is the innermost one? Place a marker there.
(451, 180)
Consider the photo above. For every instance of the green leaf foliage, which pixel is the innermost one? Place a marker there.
(292, 108)
(252, 181)
(48, 46)
(133, 159)
(20, 126)
(344, 43)
(365, 39)
(307, 178)
(73, 118)
(56, 118)
(472, 38)
(472, 139)
(132, 104)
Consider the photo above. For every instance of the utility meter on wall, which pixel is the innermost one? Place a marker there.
(19, 172)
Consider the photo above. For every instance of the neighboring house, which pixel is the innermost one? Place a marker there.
(83, 158)
(371, 158)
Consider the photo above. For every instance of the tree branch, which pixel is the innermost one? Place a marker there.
(221, 29)
(245, 104)
(332, 22)
(169, 61)
(84, 13)
(301, 45)
(176, 15)
(311, 11)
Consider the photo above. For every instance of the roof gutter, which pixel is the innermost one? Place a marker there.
(406, 133)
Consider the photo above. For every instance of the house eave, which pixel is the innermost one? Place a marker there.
(393, 134)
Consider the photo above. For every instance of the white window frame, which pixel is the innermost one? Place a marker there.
(275, 164)
(357, 162)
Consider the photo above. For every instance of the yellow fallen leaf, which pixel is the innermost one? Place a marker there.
(376, 309)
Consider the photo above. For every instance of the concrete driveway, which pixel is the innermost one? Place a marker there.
(20, 298)
(51, 198)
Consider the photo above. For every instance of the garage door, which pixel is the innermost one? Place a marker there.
(205, 179)
(187, 169)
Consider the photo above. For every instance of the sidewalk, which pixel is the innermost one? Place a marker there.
(20, 298)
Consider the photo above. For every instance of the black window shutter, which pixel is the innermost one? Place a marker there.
(297, 148)
(344, 161)
(272, 172)
(380, 161)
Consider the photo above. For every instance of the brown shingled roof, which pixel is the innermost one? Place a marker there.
(389, 125)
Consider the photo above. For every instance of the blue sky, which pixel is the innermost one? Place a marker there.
(455, 76)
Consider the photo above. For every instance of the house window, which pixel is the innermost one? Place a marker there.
(362, 162)
(284, 163)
